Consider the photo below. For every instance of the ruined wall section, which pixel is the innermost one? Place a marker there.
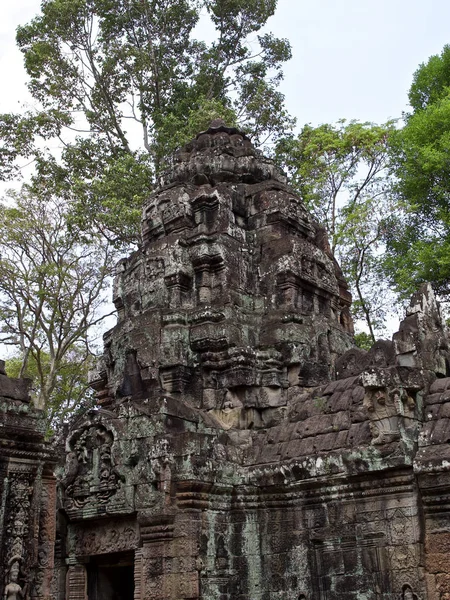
(27, 494)
(243, 449)
(234, 293)
(432, 461)
(332, 498)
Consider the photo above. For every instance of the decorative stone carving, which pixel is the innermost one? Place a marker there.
(90, 473)
(17, 522)
(408, 594)
(76, 582)
(26, 518)
(13, 591)
(249, 450)
(383, 409)
(110, 538)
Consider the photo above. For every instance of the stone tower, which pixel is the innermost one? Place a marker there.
(234, 295)
(242, 448)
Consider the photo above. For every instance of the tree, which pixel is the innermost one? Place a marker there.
(431, 81)
(341, 173)
(418, 239)
(120, 84)
(71, 393)
(360, 252)
(52, 289)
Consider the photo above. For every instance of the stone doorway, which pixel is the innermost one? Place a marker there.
(111, 577)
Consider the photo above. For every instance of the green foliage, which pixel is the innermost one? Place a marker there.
(71, 393)
(419, 237)
(178, 130)
(331, 165)
(341, 173)
(18, 133)
(321, 403)
(52, 289)
(129, 78)
(431, 81)
(363, 340)
(416, 254)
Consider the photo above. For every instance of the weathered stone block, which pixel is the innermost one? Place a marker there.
(249, 451)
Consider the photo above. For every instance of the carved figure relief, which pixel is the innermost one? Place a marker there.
(89, 467)
(13, 590)
(17, 522)
(114, 537)
(408, 594)
(383, 411)
(404, 403)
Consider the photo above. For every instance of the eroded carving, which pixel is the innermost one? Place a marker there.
(249, 450)
(13, 590)
(90, 471)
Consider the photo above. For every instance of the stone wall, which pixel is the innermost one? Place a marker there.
(27, 495)
(242, 448)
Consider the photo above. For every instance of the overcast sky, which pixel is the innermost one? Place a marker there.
(352, 59)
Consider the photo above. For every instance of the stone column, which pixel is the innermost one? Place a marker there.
(46, 538)
(27, 493)
(76, 582)
(156, 557)
(138, 575)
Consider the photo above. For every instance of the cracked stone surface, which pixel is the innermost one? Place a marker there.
(243, 448)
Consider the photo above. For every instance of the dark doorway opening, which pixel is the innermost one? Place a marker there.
(111, 577)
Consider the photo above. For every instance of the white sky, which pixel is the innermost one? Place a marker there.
(355, 59)
(352, 59)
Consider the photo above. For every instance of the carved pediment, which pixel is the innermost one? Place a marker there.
(90, 475)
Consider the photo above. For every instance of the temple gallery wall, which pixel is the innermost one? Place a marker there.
(242, 447)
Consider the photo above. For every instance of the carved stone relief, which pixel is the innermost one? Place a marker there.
(90, 474)
(261, 454)
(104, 539)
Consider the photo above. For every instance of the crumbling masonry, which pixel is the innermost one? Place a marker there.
(242, 448)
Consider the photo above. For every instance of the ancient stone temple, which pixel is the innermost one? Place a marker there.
(242, 448)
(27, 495)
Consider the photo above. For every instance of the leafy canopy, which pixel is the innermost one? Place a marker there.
(122, 83)
(52, 292)
(419, 238)
(341, 173)
(71, 394)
